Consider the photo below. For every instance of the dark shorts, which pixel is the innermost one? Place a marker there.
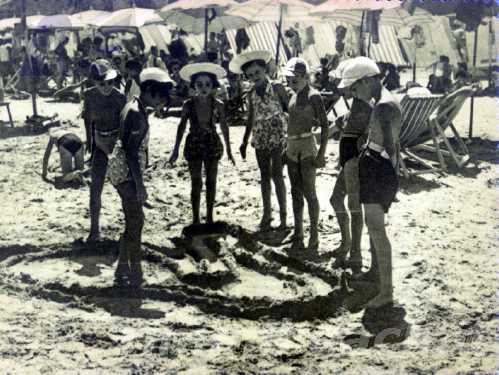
(203, 146)
(212, 56)
(348, 149)
(70, 142)
(378, 179)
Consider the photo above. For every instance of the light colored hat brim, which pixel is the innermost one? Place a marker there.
(155, 74)
(110, 74)
(346, 82)
(237, 62)
(188, 71)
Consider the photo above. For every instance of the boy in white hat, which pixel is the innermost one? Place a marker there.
(203, 145)
(102, 105)
(267, 123)
(378, 166)
(126, 174)
(306, 111)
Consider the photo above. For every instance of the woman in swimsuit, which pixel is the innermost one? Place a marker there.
(203, 145)
(267, 122)
(306, 111)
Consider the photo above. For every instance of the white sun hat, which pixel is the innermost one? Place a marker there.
(356, 69)
(103, 69)
(338, 72)
(239, 61)
(296, 65)
(155, 74)
(188, 71)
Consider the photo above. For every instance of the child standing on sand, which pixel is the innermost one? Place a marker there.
(267, 122)
(203, 145)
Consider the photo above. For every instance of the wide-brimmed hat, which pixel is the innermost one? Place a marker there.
(240, 60)
(102, 69)
(356, 69)
(188, 71)
(295, 66)
(155, 74)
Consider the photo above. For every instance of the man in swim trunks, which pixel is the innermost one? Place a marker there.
(102, 106)
(378, 165)
(306, 111)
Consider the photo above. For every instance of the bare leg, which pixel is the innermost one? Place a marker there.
(375, 219)
(98, 174)
(297, 196)
(264, 164)
(80, 159)
(280, 186)
(338, 202)
(196, 186)
(352, 185)
(308, 172)
(211, 168)
(66, 161)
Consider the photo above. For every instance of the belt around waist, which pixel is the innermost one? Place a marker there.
(351, 135)
(300, 136)
(107, 133)
(379, 149)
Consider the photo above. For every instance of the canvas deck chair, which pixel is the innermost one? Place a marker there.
(433, 128)
(416, 113)
(441, 120)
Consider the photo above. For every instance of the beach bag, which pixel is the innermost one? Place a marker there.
(117, 168)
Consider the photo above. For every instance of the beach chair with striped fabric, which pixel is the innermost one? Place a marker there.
(416, 112)
(442, 119)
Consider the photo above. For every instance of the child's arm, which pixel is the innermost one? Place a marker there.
(46, 157)
(225, 130)
(321, 116)
(180, 133)
(249, 125)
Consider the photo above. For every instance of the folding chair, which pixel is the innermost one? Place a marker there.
(440, 120)
(416, 112)
(7, 105)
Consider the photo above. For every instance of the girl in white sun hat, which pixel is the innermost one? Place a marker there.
(267, 122)
(203, 145)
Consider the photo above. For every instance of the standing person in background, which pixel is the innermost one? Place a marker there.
(306, 111)
(102, 105)
(127, 174)
(267, 123)
(212, 54)
(5, 59)
(153, 60)
(133, 68)
(63, 61)
(378, 165)
(203, 145)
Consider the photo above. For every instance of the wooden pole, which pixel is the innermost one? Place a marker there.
(362, 34)
(472, 107)
(206, 33)
(279, 30)
(414, 64)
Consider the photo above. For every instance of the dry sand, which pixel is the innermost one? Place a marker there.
(59, 314)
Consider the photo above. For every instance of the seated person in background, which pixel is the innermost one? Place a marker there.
(392, 79)
(212, 54)
(154, 61)
(415, 89)
(133, 68)
(71, 151)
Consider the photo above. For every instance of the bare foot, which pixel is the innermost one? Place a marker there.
(342, 250)
(265, 224)
(380, 300)
(93, 237)
(313, 242)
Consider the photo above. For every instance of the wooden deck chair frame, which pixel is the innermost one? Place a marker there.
(416, 112)
(442, 119)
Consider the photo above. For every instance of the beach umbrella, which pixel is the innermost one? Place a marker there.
(8, 23)
(91, 17)
(197, 17)
(59, 21)
(274, 11)
(130, 18)
(32, 21)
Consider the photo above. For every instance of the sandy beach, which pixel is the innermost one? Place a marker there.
(59, 313)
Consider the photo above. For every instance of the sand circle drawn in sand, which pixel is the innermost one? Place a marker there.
(220, 269)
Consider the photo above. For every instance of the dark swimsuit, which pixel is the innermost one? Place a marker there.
(70, 142)
(202, 144)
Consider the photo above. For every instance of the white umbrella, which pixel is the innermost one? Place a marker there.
(8, 23)
(91, 17)
(59, 21)
(130, 17)
(274, 11)
(194, 16)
